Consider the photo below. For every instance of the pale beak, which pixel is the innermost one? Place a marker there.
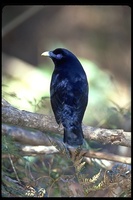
(46, 53)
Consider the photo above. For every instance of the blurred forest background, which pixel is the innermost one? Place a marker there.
(100, 36)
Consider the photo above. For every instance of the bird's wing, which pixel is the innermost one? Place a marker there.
(82, 100)
(57, 93)
(68, 94)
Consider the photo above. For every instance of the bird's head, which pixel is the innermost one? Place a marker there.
(60, 55)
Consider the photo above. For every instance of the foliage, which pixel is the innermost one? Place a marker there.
(62, 175)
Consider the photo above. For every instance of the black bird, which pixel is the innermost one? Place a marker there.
(68, 94)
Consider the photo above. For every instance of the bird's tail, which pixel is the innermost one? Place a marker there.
(73, 135)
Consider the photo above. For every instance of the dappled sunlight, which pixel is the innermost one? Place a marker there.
(28, 83)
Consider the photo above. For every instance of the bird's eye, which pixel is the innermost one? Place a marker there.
(59, 56)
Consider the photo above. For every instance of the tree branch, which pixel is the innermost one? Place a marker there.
(44, 123)
(39, 150)
(89, 154)
(26, 136)
(40, 143)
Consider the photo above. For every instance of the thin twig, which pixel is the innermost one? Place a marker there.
(12, 163)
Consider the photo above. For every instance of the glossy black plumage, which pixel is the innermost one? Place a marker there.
(68, 94)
